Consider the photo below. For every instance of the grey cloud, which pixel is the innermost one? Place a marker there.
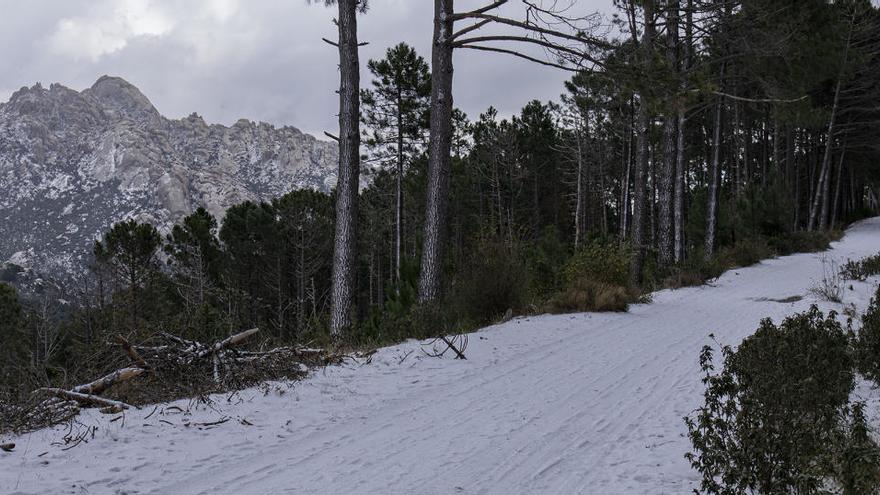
(264, 61)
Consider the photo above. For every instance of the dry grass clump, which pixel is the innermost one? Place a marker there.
(584, 294)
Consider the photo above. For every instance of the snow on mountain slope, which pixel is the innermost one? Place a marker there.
(582, 403)
(74, 162)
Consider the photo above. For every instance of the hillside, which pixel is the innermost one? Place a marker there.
(580, 403)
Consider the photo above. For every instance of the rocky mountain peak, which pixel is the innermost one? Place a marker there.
(122, 99)
(72, 163)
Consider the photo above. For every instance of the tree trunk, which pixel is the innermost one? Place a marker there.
(579, 198)
(834, 205)
(439, 149)
(666, 235)
(625, 198)
(349, 168)
(678, 212)
(819, 209)
(822, 187)
(714, 183)
(681, 163)
(641, 165)
(398, 223)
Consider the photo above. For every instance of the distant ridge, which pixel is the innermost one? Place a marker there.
(74, 162)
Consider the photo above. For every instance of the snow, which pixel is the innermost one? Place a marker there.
(581, 403)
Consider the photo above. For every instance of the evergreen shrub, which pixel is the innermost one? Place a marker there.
(776, 418)
(867, 341)
(861, 269)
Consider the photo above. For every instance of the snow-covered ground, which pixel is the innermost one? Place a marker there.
(582, 403)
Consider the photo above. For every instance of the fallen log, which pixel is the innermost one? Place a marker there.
(84, 398)
(103, 383)
(227, 342)
(111, 410)
(284, 351)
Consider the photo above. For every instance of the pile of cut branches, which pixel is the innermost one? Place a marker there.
(168, 367)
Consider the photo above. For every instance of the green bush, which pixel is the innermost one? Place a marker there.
(746, 252)
(595, 278)
(761, 211)
(861, 269)
(857, 459)
(802, 242)
(773, 419)
(602, 262)
(867, 341)
(492, 281)
(13, 350)
(545, 259)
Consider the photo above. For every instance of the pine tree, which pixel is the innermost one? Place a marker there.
(194, 255)
(344, 256)
(13, 351)
(395, 113)
(130, 250)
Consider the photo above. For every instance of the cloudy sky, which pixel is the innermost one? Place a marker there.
(229, 59)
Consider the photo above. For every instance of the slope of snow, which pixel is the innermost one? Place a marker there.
(582, 403)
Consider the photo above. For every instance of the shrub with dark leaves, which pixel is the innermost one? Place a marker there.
(774, 418)
(867, 341)
(861, 269)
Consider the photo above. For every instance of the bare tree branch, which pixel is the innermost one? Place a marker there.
(471, 28)
(520, 55)
(534, 28)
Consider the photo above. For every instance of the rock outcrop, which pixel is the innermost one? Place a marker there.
(74, 162)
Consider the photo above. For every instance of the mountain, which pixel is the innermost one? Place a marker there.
(73, 163)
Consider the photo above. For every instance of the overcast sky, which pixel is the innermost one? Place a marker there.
(229, 59)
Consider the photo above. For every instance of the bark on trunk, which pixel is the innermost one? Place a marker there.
(349, 168)
(836, 203)
(678, 214)
(398, 223)
(579, 199)
(666, 186)
(714, 183)
(439, 149)
(627, 174)
(820, 201)
(641, 165)
(681, 163)
(665, 191)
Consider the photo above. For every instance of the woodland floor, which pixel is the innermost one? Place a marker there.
(580, 403)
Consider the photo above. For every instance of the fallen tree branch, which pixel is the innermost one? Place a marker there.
(132, 353)
(459, 354)
(228, 342)
(102, 384)
(84, 398)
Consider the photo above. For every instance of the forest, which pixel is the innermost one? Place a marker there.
(692, 136)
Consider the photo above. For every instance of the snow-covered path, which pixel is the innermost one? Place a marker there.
(584, 403)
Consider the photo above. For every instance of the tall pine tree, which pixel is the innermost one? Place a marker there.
(395, 114)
